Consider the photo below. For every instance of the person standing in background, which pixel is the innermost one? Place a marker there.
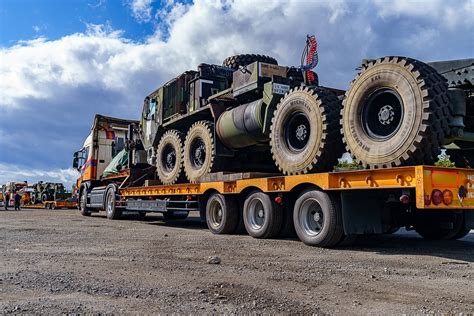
(17, 201)
(7, 200)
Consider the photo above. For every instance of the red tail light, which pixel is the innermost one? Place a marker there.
(447, 197)
(278, 200)
(436, 197)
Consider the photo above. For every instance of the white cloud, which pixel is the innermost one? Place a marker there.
(142, 10)
(9, 172)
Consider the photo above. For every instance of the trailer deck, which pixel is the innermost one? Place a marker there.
(424, 179)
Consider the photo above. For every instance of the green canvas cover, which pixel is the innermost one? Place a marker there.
(121, 159)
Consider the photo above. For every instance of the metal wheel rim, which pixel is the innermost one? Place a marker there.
(311, 217)
(297, 131)
(256, 214)
(83, 201)
(215, 214)
(198, 152)
(382, 114)
(168, 158)
(110, 203)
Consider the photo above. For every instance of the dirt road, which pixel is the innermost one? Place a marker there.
(58, 261)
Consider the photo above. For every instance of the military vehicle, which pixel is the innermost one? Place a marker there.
(241, 116)
(398, 111)
(47, 191)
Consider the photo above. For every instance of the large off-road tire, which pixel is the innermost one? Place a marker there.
(33, 198)
(246, 59)
(430, 225)
(304, 134)
(85, 211)
(396, 112)
(44, 197)
(222, 214)
(169, 166)
(198, 153)
(318, 219)
(111, 210)
(263, 218)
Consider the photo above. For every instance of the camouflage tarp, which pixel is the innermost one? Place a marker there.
(118, 163)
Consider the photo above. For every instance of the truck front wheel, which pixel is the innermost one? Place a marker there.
(110, 208)
(318, 219)
(85, 211)
(221, 214)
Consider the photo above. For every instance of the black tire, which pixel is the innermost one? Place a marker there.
(396, 112)
(169, 166)
(198, 153)
(304, 134)
(221, 214)
(463, 230)
(246, 59)
(172, 215)
(430, 225)
(33, 198)
(318, 219)
(44, 198)
(263, 218)
(111, 210)
(53, 206)
(85, 211)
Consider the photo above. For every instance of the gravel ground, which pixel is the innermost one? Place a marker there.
(60, 262)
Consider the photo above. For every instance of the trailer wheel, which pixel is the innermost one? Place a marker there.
(396, 112)
(430, 226)
(85, 211)
(199, 150)
(175, 215)
(170, 157)
(221, 214)
(53, 206)
(236, 61)
(304, 134)
(262, 216)
(110, 208)
(318, 219)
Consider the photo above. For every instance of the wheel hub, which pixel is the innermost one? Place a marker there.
(386, 114)
(199, 154)
(260, 213)
(301, 132)
(316, 216)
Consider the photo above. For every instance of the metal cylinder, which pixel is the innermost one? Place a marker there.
(242, 126)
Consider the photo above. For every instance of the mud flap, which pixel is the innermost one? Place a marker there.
(363, 213)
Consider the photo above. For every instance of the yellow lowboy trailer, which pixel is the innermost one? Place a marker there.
(324, 209)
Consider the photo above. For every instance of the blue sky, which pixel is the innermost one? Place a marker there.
(63, 61)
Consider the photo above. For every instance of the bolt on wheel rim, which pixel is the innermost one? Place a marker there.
(168, 158)
(198, 153)
(311, 217)
(297, 131)
(215, 214)
(256, 214)
(382, 114)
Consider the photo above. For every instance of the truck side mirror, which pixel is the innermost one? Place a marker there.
(75, 162)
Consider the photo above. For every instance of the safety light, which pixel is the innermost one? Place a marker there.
(189, 198)
(447, 197)
(436, 197)
(278, 200)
